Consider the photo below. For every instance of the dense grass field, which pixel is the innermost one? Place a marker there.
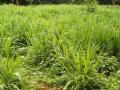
(59, 47)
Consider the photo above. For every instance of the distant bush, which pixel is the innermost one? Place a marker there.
(109, 2)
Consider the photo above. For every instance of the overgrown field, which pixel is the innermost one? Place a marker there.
(59, 47)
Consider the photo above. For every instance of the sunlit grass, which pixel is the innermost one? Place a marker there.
(64, 46)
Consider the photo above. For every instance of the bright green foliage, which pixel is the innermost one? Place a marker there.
(9, 76)
(69, 47)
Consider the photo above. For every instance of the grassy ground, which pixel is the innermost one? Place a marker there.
(59, 47)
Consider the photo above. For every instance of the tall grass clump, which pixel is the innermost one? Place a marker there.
(91, 5)
(9, 76)
(80, 65)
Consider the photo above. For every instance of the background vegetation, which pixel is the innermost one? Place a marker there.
(26, 2)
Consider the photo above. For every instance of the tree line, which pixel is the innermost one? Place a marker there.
(26, 2)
